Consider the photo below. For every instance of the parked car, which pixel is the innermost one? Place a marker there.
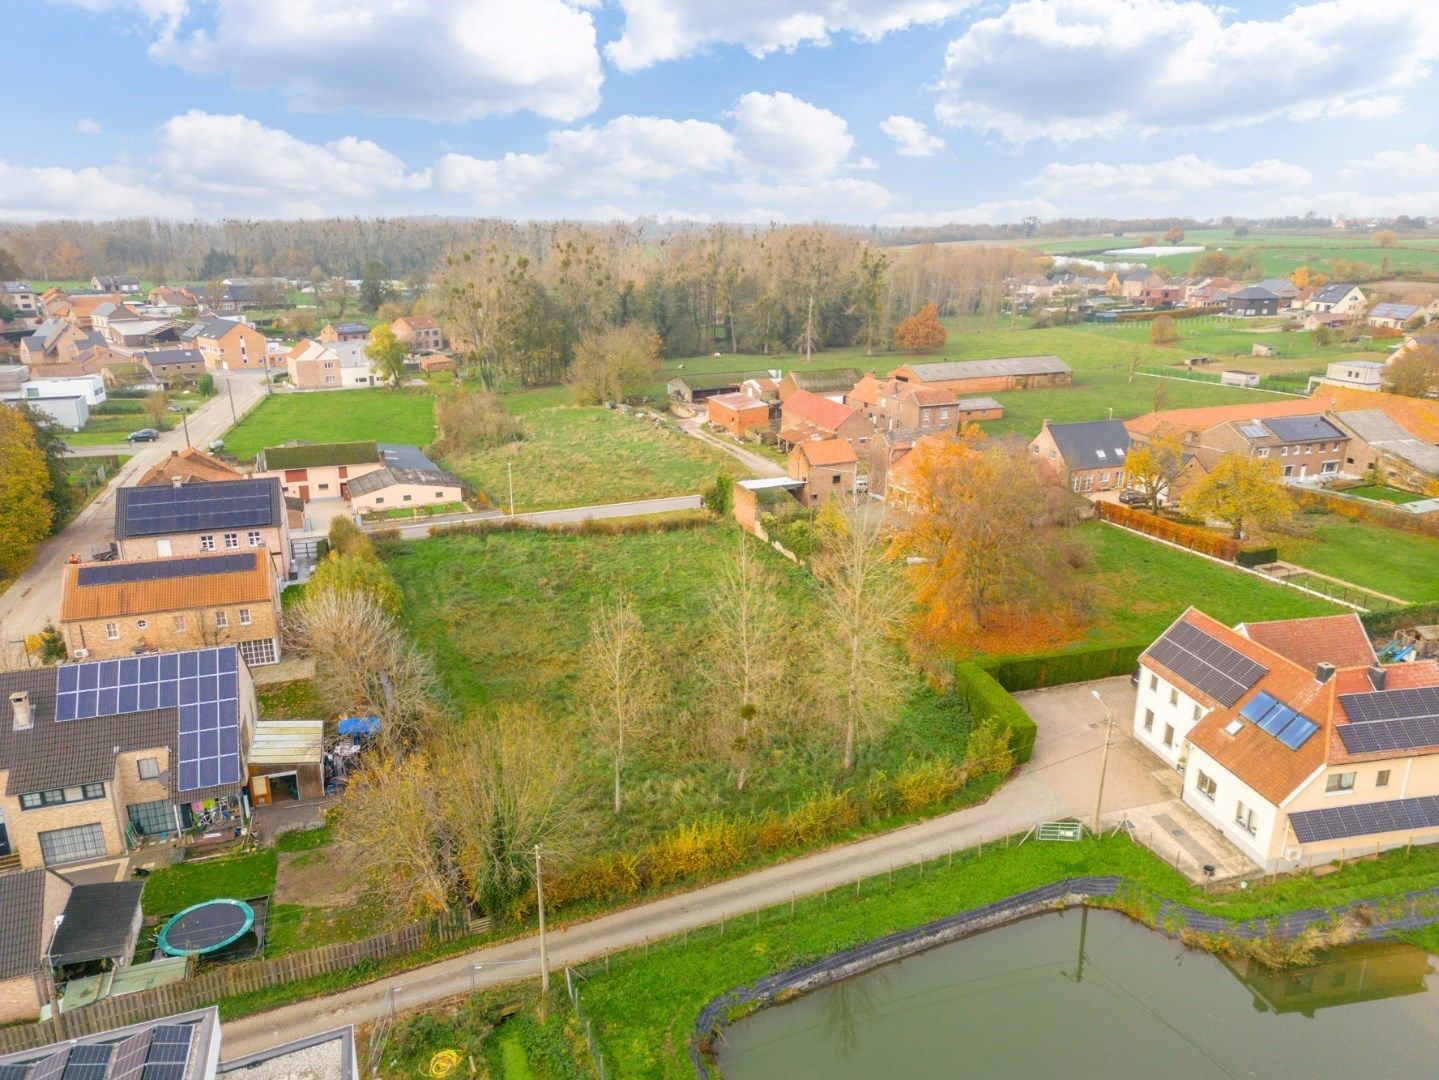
(216, 446)
(145, 434)
(1130, 497)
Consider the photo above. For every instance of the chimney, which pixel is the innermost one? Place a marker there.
(20, 706)
(1376, 677)
(177, 481)
(1323, 672)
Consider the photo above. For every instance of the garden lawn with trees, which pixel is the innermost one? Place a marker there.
(1401, 564)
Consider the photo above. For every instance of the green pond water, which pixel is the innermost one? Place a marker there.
(1094, 994)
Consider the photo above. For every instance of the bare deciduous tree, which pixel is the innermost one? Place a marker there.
(619, 683)
(864, 605)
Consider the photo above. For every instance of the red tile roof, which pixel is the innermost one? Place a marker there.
(829, 452)
(820, 411)
(1206, 417)
(738, 402)
(1340, 640)
(189, 588)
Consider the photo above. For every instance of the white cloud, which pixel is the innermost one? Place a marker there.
(1070, 69)
(911, 138)
(789, 138)
(1177, 179)
(162, 12)
(1420, 162)
(623, 157)
(87, 126)
(657, 30)
(243, 163)
(442, 60)
(843, 199)
(35, 193)
(758, 215)
(999, 212)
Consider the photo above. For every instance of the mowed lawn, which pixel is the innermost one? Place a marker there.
(588, 456)
(1138, 587)
(1400, 564)
(398, 416)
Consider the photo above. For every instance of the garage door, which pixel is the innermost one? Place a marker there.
(72, 845)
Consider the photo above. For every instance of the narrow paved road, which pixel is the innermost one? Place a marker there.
(755, 463)
(35, 595)
(1020, 804)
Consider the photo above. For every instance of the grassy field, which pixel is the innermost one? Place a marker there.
(585, 456)
(1383, 494)
(396, 416)
(1400, 564)
(1137, 587)
(505, 616)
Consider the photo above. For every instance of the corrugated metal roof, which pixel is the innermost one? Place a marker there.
(1380, 431)
(287, 742)
(945, 370)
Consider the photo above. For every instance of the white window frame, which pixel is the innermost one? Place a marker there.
(1340, 783)
(232, 540)
(254, 538)
(222, 620)
(207, 541)
(1205, 785)
(112, 631)
(244, 616)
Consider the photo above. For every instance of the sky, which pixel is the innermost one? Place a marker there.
(891, 112)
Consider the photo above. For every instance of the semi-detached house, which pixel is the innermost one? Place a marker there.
(1293, 742)
(198, 519)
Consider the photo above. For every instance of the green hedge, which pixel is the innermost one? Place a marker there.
(1060, 668)
(987, 700)
(1382, 624)
(1257, 556)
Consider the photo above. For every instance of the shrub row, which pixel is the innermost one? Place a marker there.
(714, 845)
(1383, 624)
(1032, 672)
(990, 703)
(1257, 556)
(1189, 536)
(1150, 316)
(1368, 510)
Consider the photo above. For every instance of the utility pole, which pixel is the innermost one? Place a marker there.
(510, 465)
(540, 901)
(185, 423)
(230, 389)
(1103, 761)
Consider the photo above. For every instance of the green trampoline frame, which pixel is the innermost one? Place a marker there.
(162, 940)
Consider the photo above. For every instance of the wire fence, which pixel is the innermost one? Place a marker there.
(597, 1057)
(1351, 595)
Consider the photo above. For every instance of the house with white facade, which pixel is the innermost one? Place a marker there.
(1293, 742)
(1340, 298)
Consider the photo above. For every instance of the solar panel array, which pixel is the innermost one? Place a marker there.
(169, 1052)
(1206, 663)
(130, 1056)
(1366, 819)
(88, 1061)
(1386, 720)
(1273, 717)
(160, 569)
(225, 504)
(202, 685)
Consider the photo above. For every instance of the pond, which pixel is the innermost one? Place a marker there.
(1092, 993)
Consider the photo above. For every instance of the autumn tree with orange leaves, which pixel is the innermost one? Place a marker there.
(987, 543)
(921, 331)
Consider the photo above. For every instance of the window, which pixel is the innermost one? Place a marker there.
(1174, 697)
(439, 494)
(222, 620)
(1153, 682)
(1382, 779)
(1244, 818)
(232, 540)
(1205, 785)
(1329, 467)
(324, 487)
(1284, 451)
(141, 624)
(152, 818)
(1263, 451)
(407, 498)
(112, 631)
(73, 844)
(1148, 719)
(244, 616)
(1338, 783)
(179, 621)
(379, 499)
(207, 542)
(253, 538)
(1169, 735)
(148, 768)
(58, 796)
(1197, 713)
(1289, 470)
(258, 652)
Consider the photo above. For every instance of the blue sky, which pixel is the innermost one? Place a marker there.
(864, 111)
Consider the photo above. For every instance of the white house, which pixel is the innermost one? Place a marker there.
(1291, 739)
(1355, 374)
(1341, 298)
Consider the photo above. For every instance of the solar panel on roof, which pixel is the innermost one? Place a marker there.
(1206, 663)
(1276, 720)
(1257, 707)
(88, 1061)
(1366, 819)
(1407, 733)
(159, 570)
(1298, 731)
(1416, 702)
(130, 1056)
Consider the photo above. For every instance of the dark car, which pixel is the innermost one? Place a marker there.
(1130, 497)
(145, 434)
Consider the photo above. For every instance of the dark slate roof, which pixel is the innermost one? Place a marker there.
(97, 922)
(55, 753)
(1097, 444)
(350, 328)
(318, 455)
(383, 478)
(1394, 311)
(827, 380)
(165, 357)
(400, 456)
(1366, 819)
(223, 504)
(210, 326)
(1332, 294)
(945, 370)
(22, 900)
(1303, 428)
(1253, 292)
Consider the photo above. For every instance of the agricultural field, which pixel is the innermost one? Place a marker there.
(586, 456)
(398, 416)
(504, 614)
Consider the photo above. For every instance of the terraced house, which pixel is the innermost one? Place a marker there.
(198, 519)
(226, 343)
(1293, 742)
(96, 755)
(112, 609)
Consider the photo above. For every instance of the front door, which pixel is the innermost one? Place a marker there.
(304, 493)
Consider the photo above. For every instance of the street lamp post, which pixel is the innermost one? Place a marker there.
(1104, 760)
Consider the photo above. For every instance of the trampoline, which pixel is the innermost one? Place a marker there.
(206, 928)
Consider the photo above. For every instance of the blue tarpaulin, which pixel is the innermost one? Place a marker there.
(359, 725)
